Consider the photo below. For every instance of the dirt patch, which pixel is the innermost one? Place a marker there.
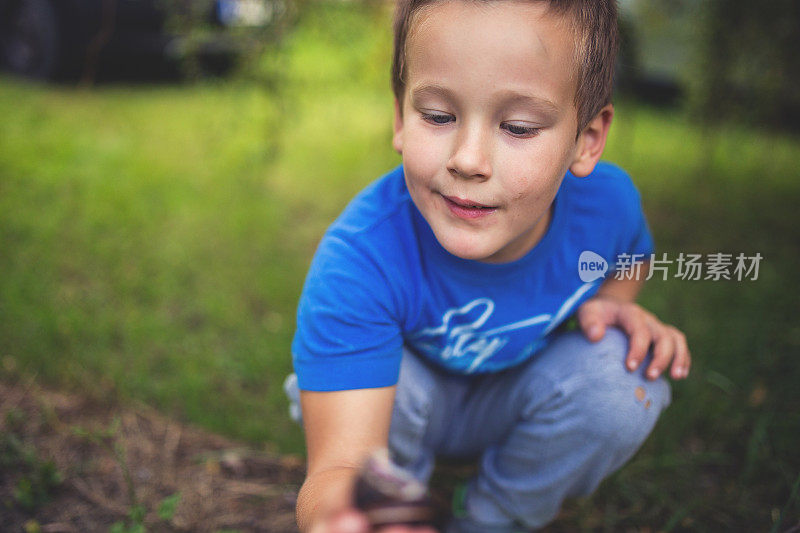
(70, 464)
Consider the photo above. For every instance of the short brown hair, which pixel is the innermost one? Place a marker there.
(595, 23)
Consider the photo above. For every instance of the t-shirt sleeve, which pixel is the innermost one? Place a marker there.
(347, 333)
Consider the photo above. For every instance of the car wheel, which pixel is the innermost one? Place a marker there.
(29, 42)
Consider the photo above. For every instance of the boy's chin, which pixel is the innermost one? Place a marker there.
(469, 251)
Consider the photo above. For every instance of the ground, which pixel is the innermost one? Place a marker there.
(71, 462)
(68, 463)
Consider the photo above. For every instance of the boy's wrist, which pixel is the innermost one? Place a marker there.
(323, 495)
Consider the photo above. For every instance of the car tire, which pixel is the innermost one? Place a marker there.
(29, 38)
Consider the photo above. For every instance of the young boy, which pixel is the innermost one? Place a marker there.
(429, 317)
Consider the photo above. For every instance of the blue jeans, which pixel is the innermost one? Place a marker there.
(551, 428)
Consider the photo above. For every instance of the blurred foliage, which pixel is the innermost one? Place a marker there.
(747, 64)
(736, 58)
(190, 19)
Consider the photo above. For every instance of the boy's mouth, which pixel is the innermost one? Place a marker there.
(465, 208)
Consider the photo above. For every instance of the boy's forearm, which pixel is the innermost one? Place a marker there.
(324, 493)
(625, 290)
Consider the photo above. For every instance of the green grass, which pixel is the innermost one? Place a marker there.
(154, 241)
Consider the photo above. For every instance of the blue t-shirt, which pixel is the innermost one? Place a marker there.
(380, 280)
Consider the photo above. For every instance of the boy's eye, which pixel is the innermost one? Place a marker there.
(438, 118)
(518, 130)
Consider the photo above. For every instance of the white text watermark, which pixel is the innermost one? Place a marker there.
(692, 267)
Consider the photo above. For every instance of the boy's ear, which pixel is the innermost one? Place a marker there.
(397, 138)
(592, 142)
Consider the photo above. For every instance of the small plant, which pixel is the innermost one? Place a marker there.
(137, 513)
(167, 507)
(35, 488)
(109, 439)
(135, 523)
(39, 477)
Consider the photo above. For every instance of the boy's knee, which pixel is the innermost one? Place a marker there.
(571, 356)
(613, 346)
(619, 406)
(614, 341)
(623, 413)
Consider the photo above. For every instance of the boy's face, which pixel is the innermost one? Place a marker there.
(489, 120)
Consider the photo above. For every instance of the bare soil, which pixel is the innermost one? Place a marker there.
(223, 484)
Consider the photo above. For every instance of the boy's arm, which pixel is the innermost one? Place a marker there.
(625, 290)
(341, 429)
(613, 305)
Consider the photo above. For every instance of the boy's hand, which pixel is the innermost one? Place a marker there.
(643, 329)
(342, 429)
(348, 521)
(351, 521)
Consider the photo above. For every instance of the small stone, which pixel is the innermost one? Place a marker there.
(233, 463)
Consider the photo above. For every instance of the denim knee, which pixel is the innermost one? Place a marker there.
(615, 405)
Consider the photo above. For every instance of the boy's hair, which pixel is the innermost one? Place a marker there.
(594, 23)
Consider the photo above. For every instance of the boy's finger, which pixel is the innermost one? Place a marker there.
(663, 351)
(639, 338)
(347, 522)
(594, 329)
(406, 529)
(591, 322)
(683, 358)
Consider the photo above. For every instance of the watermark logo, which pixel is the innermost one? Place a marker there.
(591, 266)
(711, 267)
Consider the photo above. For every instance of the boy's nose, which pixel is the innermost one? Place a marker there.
(470, 157)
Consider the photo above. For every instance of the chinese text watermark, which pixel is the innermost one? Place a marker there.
(713, 266)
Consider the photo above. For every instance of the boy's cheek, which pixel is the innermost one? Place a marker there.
(421, 159)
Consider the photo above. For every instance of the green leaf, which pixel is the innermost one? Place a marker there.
(81, 432)
(167, 507)
(136, 514)
(24, 493)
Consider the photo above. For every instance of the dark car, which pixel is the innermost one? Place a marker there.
(80, 38)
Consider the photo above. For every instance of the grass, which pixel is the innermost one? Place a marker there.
(154, 241)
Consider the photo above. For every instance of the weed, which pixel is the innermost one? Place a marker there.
(109, 439)
(39, 478)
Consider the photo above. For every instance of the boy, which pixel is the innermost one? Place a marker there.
(429, 317)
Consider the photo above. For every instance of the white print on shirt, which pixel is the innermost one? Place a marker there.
(464, 339)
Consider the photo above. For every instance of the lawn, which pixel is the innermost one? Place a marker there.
(154, 241)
